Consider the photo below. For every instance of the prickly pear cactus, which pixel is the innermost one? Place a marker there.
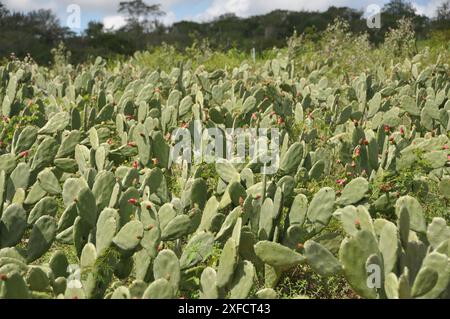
(286, 172)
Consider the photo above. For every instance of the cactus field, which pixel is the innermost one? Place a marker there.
(92, 204)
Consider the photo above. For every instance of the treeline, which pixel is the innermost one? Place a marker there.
(37, 32)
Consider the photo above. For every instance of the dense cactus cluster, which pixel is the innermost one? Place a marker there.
(87, 182)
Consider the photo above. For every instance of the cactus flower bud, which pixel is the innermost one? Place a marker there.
(387, 128)
(445, 147)
(132, 144)
(300, 246)
(280, 120)
(135, 164)
(24, 154)
(357, 223)
(241, 201)
(254, 116)
(3, 277)
(391, 139)
(155, 161)
(402, 131)
(133, 201)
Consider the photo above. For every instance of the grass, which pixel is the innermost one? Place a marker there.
(301, 281)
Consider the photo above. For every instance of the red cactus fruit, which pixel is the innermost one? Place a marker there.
(24, 154)
(280, 121)
(133, 201)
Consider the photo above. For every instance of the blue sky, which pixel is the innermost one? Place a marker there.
(195, 10)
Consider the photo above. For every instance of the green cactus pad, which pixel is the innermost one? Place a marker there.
(59, 264)
(321, 259)
(277, 255)
(86, 206)
(159, 289)
(198, 249)
(243, 280)
(353, 255)
(129, 236)
(208, 282)
(46, 206)
(12, 225)
(415, 211)
(41, 238)
(354, 191)
(227, 263)
(166, 265)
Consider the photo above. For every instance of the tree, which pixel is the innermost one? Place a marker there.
(399, 8)
(442, 20)
(94, 30)
(443, 11)
(140, 15)
(3, 10)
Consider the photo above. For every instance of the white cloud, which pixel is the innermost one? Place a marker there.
(245, 8)
(169, 18)
(114, 22)
(29, 5)
(428, 9)
(106, 10)
(105, 6)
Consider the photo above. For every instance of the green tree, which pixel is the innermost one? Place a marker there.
(140, 15)
(3, 10)
(443, 16)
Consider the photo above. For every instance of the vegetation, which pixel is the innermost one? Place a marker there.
(37, 32)
(93, 203)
